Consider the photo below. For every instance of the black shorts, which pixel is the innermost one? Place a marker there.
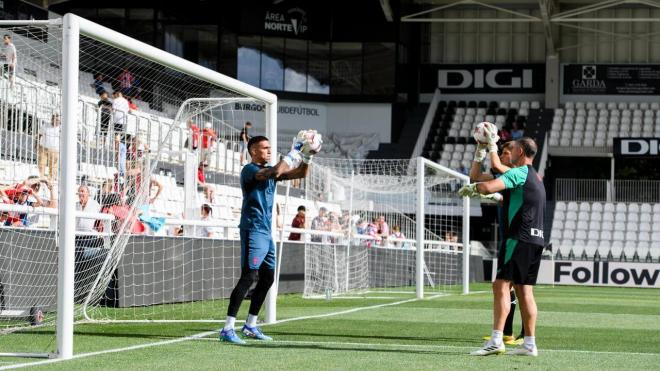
(519, 262)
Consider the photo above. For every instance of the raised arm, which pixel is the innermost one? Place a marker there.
(475, 170)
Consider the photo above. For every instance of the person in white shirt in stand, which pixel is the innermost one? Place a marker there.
(10, 57)
(88, 205)
(49, 147)
(206, 231)
(120, 112)
(89, 247)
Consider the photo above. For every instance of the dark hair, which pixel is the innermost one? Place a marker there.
(7, 36)
(248, 123)
(528, 146)
(302, 208)
(255, 140)
(207, 208)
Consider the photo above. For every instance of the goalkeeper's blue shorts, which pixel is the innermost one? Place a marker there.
(257, 248)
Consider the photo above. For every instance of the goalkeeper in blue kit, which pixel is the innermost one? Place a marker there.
(257, 246)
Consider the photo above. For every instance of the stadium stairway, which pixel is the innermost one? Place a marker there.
(404, 146)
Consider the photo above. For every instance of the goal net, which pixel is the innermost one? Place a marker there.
(366, 213)
(119, 164)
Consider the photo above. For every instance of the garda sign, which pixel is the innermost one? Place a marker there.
(598, 273)
(491, 78)
(636, 147)
(611, 79)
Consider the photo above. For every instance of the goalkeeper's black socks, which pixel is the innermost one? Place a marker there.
(508, 325)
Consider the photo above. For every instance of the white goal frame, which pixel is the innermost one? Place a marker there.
(73, 28)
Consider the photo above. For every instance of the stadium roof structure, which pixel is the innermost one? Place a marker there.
(566, 13)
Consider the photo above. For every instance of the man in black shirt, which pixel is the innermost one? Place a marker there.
(520, 256)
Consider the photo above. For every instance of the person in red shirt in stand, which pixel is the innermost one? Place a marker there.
(209, 139)
(201, 179)
(298, 222)
(113, 204)
(193, 140)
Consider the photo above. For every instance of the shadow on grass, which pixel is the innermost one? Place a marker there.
(334, 347)
(453, 340)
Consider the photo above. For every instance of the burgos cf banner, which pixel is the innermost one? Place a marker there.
(611, 79)
(599, 273)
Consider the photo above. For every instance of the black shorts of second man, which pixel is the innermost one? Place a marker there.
(519, 262)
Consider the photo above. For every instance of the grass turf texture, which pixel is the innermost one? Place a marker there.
(579, 327)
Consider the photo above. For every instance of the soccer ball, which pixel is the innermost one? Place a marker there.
(479, 133)
(312, 141)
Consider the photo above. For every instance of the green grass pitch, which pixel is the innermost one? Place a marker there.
(578, 328)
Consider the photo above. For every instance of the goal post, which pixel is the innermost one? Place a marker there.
(184, 277)
(73, 27)
(380, 226)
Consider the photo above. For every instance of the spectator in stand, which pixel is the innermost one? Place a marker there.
(10, 58)
(105, 105)
(194, 136)
(517, 131)
(206, 231)
(209, 141)
(121, 151)
(126, 80)
(397, 235)
(383, 228)
(333, 226)
(361, 226)
(505, 134)
(372, 230)
(202, 185)
(451, 236)
(114, 205)
(244, 138)
(89, 205)
(320, 223)
(120, 111)
(131, 106)
(98, 84)
(21, 194)
(49, 147)
(298, 222)
(107, 188)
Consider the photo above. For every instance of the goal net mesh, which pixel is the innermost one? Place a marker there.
(366, 211)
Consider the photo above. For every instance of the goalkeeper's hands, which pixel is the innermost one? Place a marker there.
(295, 157)
(497, 197)
(480, 153)
(492, 139)
(469, 190)
(312, 142)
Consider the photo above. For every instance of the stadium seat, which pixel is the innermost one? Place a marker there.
(559, 215)
(584, 206)
(645, 227)
(593, 235)
(616, 250)
(608, 216)
(642, 251)
(564, 248)
(572, 206)
(605, 235)
(597, 206)
(646, 208)
(578, 248)
(619, 226)
(607, 226)
(609, 207)
(581, 234)
(632, 226)
(571, 215)
(603, 249)
(594, 225)
(591, 249)
(568, 234)
(629, 250)
(644, 236)
(633, 208)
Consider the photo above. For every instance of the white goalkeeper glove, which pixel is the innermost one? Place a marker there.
(493, 197)
(492, 138)
(295, 157)
(480, 153)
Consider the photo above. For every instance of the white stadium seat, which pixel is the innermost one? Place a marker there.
(607, 226)
(608, 216)
(619, 226)
(632, 226)
(581, 235)
(594, 225)
(571, 215)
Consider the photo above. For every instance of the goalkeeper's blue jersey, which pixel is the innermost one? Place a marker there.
(258, 196)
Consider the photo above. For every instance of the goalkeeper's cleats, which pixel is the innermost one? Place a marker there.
(231, 337)
(517, 341)
(489, 349)
(524, 351)
(255, 333)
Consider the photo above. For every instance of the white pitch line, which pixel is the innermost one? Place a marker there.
(206, 333)
(430, 347)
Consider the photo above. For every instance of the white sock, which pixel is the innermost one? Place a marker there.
(251, 321)
(529, 342)
(496, 337)
(229, 323)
